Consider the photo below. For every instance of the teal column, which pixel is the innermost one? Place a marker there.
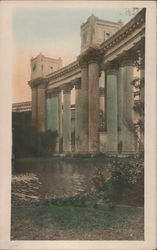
(53, 114)
(121, 85)
(93, 106)
(83, 109)
(41, 108)
(112, 123)
(67, 118)
(126, 130)
(48, 111)
(78, 116)
(60, 122)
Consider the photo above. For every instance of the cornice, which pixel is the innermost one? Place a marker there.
(126, 30)
(69, 68)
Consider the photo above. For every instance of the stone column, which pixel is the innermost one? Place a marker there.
(48, 109)
(67, 118)
(55, 115)
(60, 122)
(126, 140)
(112, 126)
(121, 85)
(41, 107)
(34, 106)
(78, 115)
(102, 108)
(93, 106)
(83, 138)
(89, 62)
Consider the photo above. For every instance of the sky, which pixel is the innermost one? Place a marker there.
(54, 32)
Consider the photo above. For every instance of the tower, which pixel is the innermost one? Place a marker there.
(95, 31)
(42, 66)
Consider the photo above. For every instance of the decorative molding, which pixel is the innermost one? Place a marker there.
(126, 30)
(67, 69)
(38, 82)
(22, 106)
(91, 55)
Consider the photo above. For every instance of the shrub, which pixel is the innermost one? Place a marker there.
(125, 176)
(28, 143)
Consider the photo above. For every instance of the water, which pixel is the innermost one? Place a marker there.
(59, 178)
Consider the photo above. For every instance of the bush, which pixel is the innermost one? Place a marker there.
(126, 183)
(28, 143)
(125, 176)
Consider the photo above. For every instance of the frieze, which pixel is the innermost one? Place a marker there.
(69, 68)
(125, 31)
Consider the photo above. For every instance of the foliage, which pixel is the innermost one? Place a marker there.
(28, 143)
(125, 176)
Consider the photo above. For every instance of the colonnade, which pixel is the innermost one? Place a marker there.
(115, 98)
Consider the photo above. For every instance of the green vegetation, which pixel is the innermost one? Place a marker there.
(28, 143)
(76, 218)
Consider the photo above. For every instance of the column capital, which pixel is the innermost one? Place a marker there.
(67, 88)
(40, 82)
(112, 71)
(91, 55)
(111, 65)
(53, 92)
(125, 61)
(77, 83)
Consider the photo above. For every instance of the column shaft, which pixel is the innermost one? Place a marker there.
(41, 109)
(67, 120)
(34, 106)
(82, 133)
(60, 122)
(102, 116)
(78, 117)
(93, 108)
(112, 126)
(126, 138)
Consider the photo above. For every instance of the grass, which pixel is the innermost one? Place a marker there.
(52, 222)
(86, 216)
(76, 218)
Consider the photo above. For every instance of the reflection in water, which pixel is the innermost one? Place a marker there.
(59, 178)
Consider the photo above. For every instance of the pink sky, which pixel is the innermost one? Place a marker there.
(22, 71)
(54, 32)
(21, 90)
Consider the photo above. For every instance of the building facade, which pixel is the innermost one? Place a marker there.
(102, 117)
